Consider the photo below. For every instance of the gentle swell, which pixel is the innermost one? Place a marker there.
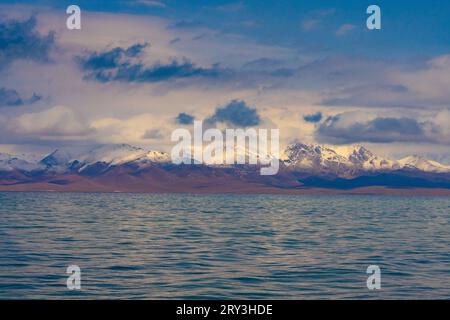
(223, 246)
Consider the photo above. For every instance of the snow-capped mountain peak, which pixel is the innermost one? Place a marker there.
(152, 156)
(316, 158)
(419, 163)
(348, 160)
(56, 158)
(106, 155)
(355, 153)
(111, 154)
(344, 161)
(22, 162)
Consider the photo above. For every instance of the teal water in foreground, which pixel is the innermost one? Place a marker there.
(149, 246)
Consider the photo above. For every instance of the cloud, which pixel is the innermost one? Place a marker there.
(314, 118)
(57, 123)
(153, 134)
(135, 50)
(184, 118)
(347, 128)
(20, 40)
(109, 59)
(375, 95)
(395, 95)
(175, 40)
(251, 24)
(151, 3)
(345, 29)
(134, 130)
(315, 18)
(11, 98)
(186, 24)
(263, 64)
(236, 113)
(363, 82)
(232, 7)
(324, 12)
(120, 64)
(428, 84)
(266, 68)
(310, 24)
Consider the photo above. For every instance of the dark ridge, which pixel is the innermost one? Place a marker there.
(382, 180)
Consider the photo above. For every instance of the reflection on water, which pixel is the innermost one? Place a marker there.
(147, 246)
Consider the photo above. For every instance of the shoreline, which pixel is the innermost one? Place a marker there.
(256, 190)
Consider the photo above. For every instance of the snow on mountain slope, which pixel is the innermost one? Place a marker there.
(61, 160)
(346, 160)
(422, 164)
(57, 158)
(10, 162)
(157, 156)
(365, 159)
(310, 156)
(112, 154)
(151, 157)
(316, 158)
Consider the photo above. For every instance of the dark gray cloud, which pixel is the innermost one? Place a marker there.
(184, 118)
(236, 113)
(20, 40)
(11, 98)
(339, 130)
(110, 59)
(120, 64)
(314, 118)
(136, 49)
(99, 61)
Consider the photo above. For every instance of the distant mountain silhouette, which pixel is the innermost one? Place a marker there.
(303, 168)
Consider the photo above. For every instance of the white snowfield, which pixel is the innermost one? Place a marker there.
(20, 162)
(423, 164)
(354, 157)
(318, 158)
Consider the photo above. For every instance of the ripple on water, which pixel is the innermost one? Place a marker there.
(223, 246)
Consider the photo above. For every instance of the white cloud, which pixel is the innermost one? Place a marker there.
(345, 29)
(122, 112)
(232, 7)
(315, 18)
(60, 123)
(310, 24)
(429, 84)
(151, 3)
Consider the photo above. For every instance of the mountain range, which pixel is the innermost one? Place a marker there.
(304, 168)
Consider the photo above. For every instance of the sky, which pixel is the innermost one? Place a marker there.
(139, 69)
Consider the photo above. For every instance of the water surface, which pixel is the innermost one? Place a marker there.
(149, 246)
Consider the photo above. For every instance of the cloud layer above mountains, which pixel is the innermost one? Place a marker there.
(135, 78)
(345, 129)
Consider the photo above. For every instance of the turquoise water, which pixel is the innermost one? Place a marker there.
(145, 246)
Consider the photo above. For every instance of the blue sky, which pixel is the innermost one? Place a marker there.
(409, 27)
(139, 66)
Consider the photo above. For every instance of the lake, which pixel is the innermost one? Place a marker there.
(185, 246)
